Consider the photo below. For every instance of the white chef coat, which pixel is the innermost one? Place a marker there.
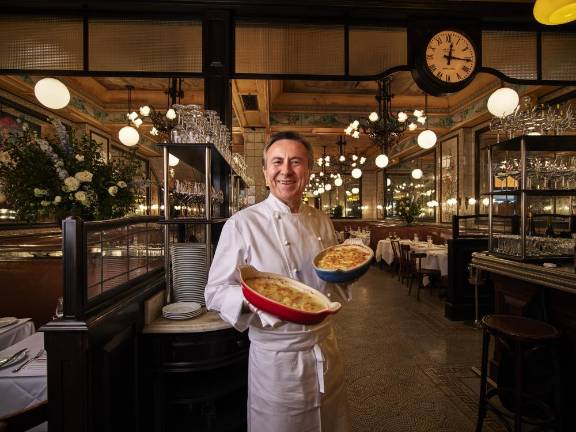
(295, 377)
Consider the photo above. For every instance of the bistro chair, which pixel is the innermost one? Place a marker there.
(406, 266)
(396, 251)
(529, 387)
(420, 273)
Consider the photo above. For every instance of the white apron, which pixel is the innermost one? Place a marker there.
(290, 364)
(296, 381)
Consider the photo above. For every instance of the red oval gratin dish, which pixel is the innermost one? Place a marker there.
(280, 310)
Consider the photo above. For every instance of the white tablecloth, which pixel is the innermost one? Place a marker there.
(13, 333)
(362, 235)
(28, 386)
(436, 255)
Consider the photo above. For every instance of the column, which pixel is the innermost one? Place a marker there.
(254, 141)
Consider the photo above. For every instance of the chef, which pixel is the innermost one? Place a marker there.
(295, 373)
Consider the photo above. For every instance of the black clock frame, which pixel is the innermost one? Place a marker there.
(419, 34)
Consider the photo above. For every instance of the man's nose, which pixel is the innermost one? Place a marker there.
(286, 168)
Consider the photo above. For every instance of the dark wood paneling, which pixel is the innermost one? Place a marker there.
(460, 302)
(196, 378)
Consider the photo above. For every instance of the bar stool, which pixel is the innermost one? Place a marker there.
(521, 338)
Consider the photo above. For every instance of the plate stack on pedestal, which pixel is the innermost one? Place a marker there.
(181, 310)
(189, 272)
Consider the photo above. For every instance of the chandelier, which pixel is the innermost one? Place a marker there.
(384, 129)
(342, 161)
(527, 118)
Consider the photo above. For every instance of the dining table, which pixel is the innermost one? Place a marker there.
(436, 255)
(15, 330)
(24, 383)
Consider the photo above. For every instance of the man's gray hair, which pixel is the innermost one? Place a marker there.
(289, 135)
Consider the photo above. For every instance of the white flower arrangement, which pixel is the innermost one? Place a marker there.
(113, 190)
(70, 184)
(84, 176)
(68, 177)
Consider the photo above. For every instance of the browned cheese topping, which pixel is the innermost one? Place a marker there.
(343, 258)
(281, 292)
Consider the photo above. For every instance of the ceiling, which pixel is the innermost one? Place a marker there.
(318, 109)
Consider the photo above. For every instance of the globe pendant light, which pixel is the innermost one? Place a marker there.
(173, 160)
(52, 93)
(338, 182)
(503, 102)
(417, 173)
(128, 135)
(381, 161)
(427, 138)
(356, 173)
(554, 12)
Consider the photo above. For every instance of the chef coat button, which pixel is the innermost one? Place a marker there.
(319, 238)
(286, 243)
(277, 216)
(295, 270)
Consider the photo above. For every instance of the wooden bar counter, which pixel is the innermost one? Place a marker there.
(547, 294)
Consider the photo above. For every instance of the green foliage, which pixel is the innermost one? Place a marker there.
(43, 178)
(408, 209)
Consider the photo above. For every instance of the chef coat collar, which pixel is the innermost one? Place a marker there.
(278, 206)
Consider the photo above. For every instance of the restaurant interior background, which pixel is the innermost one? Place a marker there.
(313, 68)
(321, 111)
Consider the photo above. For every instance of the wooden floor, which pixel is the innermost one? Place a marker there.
(407, 367)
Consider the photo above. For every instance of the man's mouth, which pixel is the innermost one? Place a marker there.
(285, 182)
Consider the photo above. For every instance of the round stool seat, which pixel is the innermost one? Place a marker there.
(520, 329)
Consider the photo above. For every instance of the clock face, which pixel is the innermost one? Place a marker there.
(450, 57)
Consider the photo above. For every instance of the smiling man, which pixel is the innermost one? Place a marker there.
(295, 377)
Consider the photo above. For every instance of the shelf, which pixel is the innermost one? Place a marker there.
(193, 154)
(536, 192)
(192, 221)
(534, 259)
(543, 143)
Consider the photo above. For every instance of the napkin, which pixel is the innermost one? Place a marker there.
(267, 320)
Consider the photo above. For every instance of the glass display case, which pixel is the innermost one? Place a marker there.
(533, 178)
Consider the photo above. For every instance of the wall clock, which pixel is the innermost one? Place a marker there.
(445, 61)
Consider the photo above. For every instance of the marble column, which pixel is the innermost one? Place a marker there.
(254, 141)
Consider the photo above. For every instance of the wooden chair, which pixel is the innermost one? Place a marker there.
(25, 419)
(396, 251)
(406, 266)
(420, 272)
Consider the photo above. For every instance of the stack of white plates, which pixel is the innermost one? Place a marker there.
(6, 321)
(181, 310)
(189, 272)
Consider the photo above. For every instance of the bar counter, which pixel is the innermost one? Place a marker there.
(542, 293)
(562, 278)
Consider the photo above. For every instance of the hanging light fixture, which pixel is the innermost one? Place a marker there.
(382, 127)
(554, 12)
(52, 93)
(417, 173)
(356, 173)
(503, 102)
(173, 160)
(128, 135)
(338, 182)
(427, 138)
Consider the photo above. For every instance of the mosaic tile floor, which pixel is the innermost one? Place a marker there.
(408, 369)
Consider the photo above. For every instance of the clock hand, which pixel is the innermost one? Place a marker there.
(449, 56)
(459, 58)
